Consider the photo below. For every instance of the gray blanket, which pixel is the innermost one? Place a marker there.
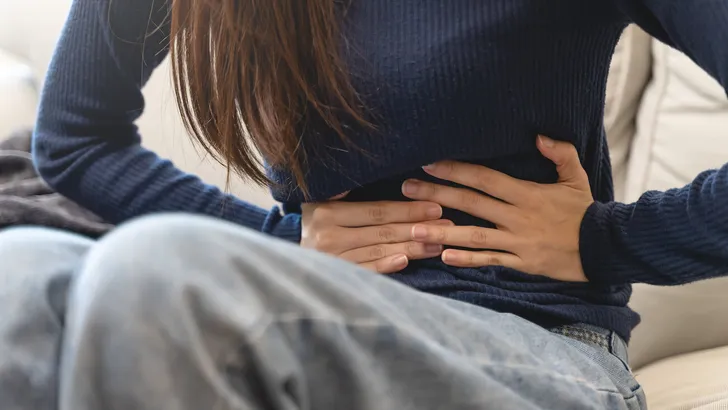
(26, 200)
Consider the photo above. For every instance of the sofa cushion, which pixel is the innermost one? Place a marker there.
(693, 381)
(682, 126)
(628, 76)
(18, 94)
(677, 320)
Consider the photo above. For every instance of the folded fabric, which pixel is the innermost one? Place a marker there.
(26, 200)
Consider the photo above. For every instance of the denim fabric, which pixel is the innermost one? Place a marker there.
(185, 312)
(606, 340)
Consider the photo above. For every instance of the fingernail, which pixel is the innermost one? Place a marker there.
(410, 187)
(547, 142)
(434, 212)
(399, 260)
(430, 167)
(433, 248)
(337, 197)
(448, 257)
(419, 232)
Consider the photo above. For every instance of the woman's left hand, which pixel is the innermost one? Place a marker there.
(537, 224)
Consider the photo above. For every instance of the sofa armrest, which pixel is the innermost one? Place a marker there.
(18, 94)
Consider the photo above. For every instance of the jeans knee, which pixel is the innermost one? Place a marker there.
(134, 256)
(172, 233)
(168, 237)
(147, 262)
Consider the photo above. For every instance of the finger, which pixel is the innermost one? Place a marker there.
(413, 251)
(346, 239)
(564, 155)
(387, 265)
(357, 214)
(473, 237)
(483, 179)
(466, 200)
(470, 259)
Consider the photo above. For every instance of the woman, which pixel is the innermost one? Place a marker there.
(190, 312)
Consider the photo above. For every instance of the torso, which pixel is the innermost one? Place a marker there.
(477, 80)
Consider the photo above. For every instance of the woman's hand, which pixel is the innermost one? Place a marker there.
(537, 224)
(375, 235)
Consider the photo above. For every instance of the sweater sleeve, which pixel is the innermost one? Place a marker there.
(681, 235)
(86, 145)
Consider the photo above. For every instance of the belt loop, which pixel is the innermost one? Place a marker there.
(619, 347)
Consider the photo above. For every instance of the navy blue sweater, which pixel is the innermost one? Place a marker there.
(473, 80)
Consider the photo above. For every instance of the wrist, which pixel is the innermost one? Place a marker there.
(595, 244)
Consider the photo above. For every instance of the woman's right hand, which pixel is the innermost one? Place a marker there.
(374, 235)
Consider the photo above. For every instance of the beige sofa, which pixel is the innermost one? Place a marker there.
(666, 122)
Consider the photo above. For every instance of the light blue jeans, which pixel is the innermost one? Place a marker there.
(185, 312)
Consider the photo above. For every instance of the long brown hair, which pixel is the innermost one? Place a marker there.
(247, 73)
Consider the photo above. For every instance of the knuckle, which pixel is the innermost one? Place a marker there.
(467, 259)
(324, 240)
(493, 260)
(321, 213)
(413, 249)
(377, 252)
(440, 234)
(377, 213)
(471, 259)
(414, 210)
(478, 236)
(385, 234)
(469, 199)
(431, 190)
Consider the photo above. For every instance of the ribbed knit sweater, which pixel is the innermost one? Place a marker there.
(471, 80)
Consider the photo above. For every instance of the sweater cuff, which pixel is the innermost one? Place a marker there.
(596, 246)
(286, 227)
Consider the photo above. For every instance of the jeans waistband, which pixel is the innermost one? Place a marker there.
(595, 336)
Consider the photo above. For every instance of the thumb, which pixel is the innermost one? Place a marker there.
(564, 155)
